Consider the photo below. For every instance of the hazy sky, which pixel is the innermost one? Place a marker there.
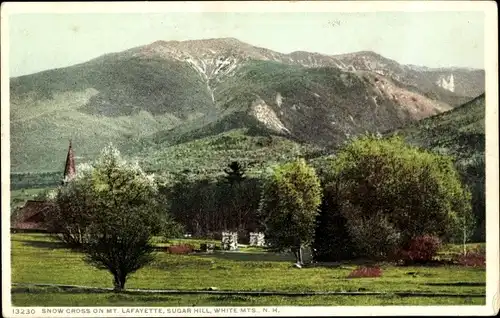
(434, 39)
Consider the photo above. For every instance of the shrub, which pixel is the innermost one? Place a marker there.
(475, 258)
(180, 249)
(472, 259)
(374, 236)
(366, 272)
(421, 249)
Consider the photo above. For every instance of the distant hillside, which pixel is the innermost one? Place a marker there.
(202, 157)
(459, 132)
(169, 93)
(439, 82)
(210, 155)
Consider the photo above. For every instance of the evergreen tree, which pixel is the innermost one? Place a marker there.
(235, 173)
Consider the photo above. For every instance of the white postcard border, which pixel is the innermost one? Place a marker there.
(491, 126)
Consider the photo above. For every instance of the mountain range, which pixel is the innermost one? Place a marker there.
(169, 97)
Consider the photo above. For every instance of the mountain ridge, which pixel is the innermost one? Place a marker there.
(169, 92)
(235, 44)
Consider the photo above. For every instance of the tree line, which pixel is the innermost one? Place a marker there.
(372, 200)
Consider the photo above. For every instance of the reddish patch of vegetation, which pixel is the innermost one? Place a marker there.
(421, 249)
(475, 258)
(366, 272)
(180, 249)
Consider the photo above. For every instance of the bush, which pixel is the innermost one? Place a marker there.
(366, 272)
(374, 236)
(421, 249)
(475, 258)
(180, 249)
(472, 259)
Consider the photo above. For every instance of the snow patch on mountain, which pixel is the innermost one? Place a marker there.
(199, 66)
(446, 82)
(279, 99)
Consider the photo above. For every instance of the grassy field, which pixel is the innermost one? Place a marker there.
(36, 258)
(112, 299)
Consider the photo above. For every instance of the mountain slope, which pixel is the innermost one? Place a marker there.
(447, 84)
(168, 93)
(459, 132)
(95, 104)
(315, 105)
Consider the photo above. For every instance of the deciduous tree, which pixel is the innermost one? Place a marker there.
(390, 192)
(289, 206)
(115, 209)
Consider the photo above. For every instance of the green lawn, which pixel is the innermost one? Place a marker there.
(111, 299)
(38, 259)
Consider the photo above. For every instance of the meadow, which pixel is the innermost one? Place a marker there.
(39, 259)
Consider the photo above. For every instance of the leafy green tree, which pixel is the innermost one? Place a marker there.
(390, 192)
(289, 206)
(46, 194)
(119, 212)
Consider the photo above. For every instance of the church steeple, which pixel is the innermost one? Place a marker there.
(69, 169)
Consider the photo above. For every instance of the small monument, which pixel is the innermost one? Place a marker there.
(257, 239)
(307, 254)
(207, 248)
(229, 241)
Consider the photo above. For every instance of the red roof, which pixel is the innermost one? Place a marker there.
(29, 226)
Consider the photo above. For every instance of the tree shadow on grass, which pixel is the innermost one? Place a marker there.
(347, 263)
(45, 244)
(55, 290)
(250, 257)
(478, 284)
